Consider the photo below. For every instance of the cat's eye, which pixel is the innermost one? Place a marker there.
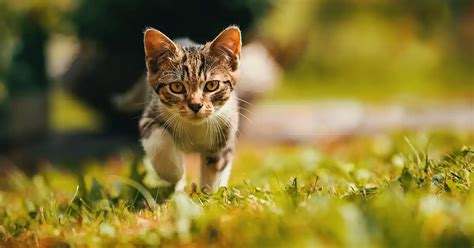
(211, 85)
(177, 87)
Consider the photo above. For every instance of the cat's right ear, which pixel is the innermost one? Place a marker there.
(157, 47)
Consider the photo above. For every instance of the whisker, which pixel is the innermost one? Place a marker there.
(248, 119)
(228, 124)
(248, 111)
(244, 101)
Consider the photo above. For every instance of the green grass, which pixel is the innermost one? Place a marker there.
(399, 190)
(304, 83)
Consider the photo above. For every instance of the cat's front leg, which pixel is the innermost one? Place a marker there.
(164, 156)
(216, 168)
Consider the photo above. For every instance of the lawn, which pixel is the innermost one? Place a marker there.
(399, 190)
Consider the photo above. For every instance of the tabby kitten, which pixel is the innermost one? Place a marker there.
(193, 106)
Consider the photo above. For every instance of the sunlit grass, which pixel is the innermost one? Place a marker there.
(385, 191)
(306, 84)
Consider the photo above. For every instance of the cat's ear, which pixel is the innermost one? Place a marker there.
(228, 44)
(157, 46)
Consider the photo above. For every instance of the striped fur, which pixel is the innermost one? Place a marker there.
(196, 119)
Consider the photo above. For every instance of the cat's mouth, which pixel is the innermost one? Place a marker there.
(196, 118)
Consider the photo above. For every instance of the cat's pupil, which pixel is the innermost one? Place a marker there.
(212, 85)
(176, 87)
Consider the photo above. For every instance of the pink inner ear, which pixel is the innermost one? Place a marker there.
(229, 41)
(156, 42)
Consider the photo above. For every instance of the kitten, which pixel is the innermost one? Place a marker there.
(193, 106)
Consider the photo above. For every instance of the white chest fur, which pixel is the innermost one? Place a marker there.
(199, 137)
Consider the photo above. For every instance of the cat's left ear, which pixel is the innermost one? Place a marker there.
(228, 44)
(157, 47)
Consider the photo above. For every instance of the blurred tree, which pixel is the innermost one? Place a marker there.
(27, 70)
(25, 29)
(372, 47)
(27, 81)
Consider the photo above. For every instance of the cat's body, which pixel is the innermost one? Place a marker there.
(193, 106)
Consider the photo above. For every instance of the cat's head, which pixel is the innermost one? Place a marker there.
(193, 82)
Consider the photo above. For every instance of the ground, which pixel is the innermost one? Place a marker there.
(406, 189)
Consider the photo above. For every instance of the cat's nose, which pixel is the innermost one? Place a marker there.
(195, 107)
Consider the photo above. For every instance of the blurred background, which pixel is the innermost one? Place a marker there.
(332, 68)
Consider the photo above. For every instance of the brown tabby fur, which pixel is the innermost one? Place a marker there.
(169, 125)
